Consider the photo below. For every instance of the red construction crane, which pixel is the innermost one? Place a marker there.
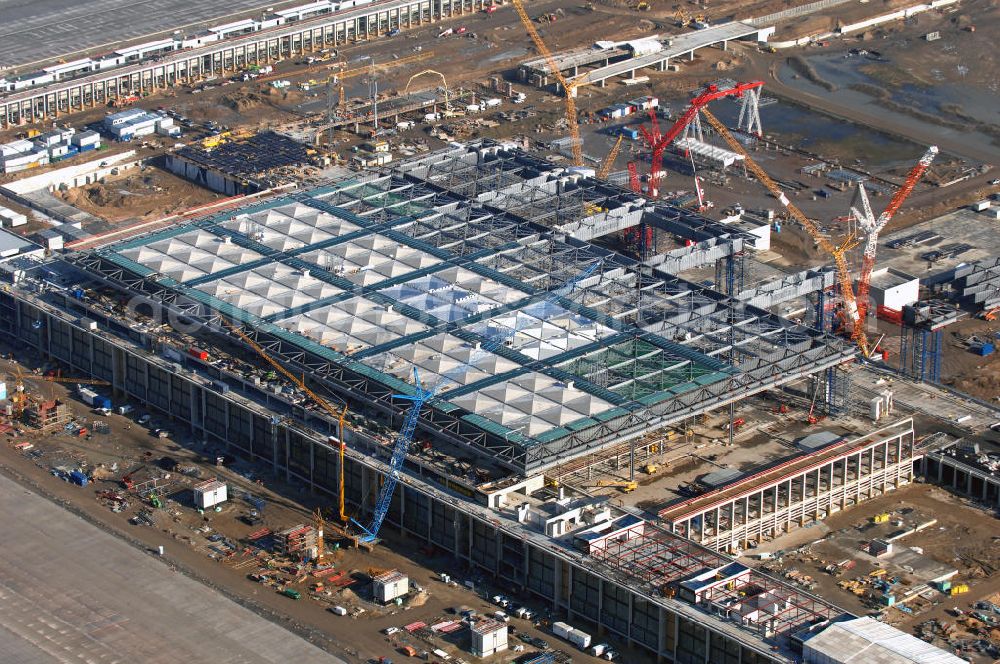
(659, 144)
(633, 178)
(874, 227)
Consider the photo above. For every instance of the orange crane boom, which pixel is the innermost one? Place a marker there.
(609, 161)
(320, 401)
(569, 87)
(839, 253)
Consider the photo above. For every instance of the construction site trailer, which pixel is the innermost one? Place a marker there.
(209, 494)
(488, 637)
(388, 586)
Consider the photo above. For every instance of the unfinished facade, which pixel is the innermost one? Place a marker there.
(808, 487)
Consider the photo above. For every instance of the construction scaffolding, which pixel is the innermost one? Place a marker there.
(921, 340)
(295, 542)
(48, 415)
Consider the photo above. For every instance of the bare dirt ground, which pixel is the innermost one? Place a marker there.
(138, 195)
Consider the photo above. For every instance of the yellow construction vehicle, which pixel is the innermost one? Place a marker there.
(650, 468)
(19, 399)
(626, 486)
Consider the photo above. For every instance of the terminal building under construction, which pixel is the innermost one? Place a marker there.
(365, 283)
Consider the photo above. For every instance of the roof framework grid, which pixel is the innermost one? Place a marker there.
(357, 281)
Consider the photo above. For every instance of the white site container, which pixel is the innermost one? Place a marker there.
(561, 629)
(209, 494)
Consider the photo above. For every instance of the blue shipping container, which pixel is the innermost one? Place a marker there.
(102, 402)
(629, 133)
(76, 477)
(984, 349)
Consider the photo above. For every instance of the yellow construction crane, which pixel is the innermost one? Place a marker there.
(444, 82)
(839, 253)
(609, 161)
(569, 87)
(19, 399)
(340, 416)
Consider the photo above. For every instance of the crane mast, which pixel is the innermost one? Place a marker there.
(609, 161)
(569, 87)
(659, 143)
(874, 226)
(340, 416)
(422, 395)
(839, 253)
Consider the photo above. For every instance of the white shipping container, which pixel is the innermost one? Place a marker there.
(599, 649)
(88, 395)
(339, 610)
(209, 494)
(561, 629)
(492, 102)
(579, 638)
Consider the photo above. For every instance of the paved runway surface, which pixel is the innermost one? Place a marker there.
(70, 592)
(35, 30)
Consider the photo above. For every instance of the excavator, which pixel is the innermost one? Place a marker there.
(127, 477)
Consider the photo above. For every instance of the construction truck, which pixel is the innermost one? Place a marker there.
(122, 102)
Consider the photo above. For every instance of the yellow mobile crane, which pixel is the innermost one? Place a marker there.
(19, 399)
(340, 416)
(569, 87)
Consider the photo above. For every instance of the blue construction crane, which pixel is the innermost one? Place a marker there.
(422, 396)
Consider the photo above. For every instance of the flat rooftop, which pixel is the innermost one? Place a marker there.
(890, 278)
(799, 463)
(445, 270)
(252, 158)
(43, 30)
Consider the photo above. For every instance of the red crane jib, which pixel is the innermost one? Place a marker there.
(711, 93)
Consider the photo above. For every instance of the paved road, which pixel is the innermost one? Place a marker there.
(70, 592)
(35, 30)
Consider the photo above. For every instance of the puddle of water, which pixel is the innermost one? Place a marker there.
(937, 99)
(799, 127)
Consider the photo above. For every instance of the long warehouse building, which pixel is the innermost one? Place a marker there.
(363, 284)
(140, 70)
